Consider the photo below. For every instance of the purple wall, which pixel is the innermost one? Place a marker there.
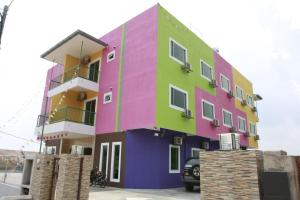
(139, 74)
(148, 167)
(109, 74)
(51, 74)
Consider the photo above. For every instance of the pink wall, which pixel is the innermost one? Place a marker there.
(109, 74)
(51, 74)
(139, 74)
(221, 101)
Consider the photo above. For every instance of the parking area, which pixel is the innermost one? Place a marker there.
(110, 193)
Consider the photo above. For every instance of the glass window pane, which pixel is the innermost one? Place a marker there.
(178, 98)
(227, 118)
(242, 124)
(104, 159)
(195, 153)
(225, 83)
(116, 162)
(208, 110)
(174, 158)
(252, 128)
(239, 93)
(178, 52)
(206, 70)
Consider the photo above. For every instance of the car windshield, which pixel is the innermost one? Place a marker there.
(192, 161)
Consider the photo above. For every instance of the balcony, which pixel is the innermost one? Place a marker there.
(67, 121)
(78, 78)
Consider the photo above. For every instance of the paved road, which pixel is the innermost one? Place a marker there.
(8, 190)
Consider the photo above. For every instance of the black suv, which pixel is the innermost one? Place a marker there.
(191, 174)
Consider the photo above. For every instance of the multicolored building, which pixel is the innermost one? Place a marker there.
(142, 99)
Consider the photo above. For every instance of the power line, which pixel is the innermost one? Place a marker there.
(18, 137)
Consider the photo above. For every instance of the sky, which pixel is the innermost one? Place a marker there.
(261, 38)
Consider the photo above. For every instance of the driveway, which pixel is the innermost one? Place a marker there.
(142, 194)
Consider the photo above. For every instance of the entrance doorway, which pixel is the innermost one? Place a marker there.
(90, 112)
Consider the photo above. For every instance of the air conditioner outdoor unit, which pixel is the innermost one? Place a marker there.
(215, 123)
(213, 83)
(230, 94)
(206, 145)
(244, 102)
(85, 60)
(178, 140)
(186, 67)
(187, 114)
(77, 150)
(233, 129)
(229, 141)
(256, 137)
(81, 96)
(254, 109)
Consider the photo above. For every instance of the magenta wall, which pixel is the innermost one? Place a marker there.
(221, 101)
(109, 74)
(51, 74)
(139, 72)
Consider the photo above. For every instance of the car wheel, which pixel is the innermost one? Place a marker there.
(188, 187)
(196, 171)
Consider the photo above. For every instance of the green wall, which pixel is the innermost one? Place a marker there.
(169, 71)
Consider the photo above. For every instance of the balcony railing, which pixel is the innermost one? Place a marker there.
(74, 72)
(69, 114)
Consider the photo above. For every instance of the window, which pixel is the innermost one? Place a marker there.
(225, 83)
(104, 153)
(241, 124)
(206, 70)
(94, 71)
(115, 162)
(174, 159)
(110, 56)
(250, 101)
(178, 52)
(195, 152)
(107, 97)
(252, 128)
(51, 150)
(227, 118)
(208, 110)
(178, 98)
(239, 93)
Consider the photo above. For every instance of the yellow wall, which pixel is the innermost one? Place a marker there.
(70, 99)
(247, 88)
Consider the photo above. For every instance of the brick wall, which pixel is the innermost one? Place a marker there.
(229, 175)
(41, 177)
(297, 158)
(68, 177)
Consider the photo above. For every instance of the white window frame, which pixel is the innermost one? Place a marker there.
(113, 52)
(243, 131)
(214, 111)
(170, 98)
(101, 156)
(106, 94)
(170, 170)
(227, 111)
(174, 58)
(112, 162)
(250, 105)
(225, 77)
(241, 99)
(250, 128)
(89, 65)
(212, 70)
(194, 149)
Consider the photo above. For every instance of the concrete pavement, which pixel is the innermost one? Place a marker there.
(9, 190)
(142, 194)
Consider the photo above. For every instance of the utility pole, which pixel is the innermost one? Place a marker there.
(2, 18)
